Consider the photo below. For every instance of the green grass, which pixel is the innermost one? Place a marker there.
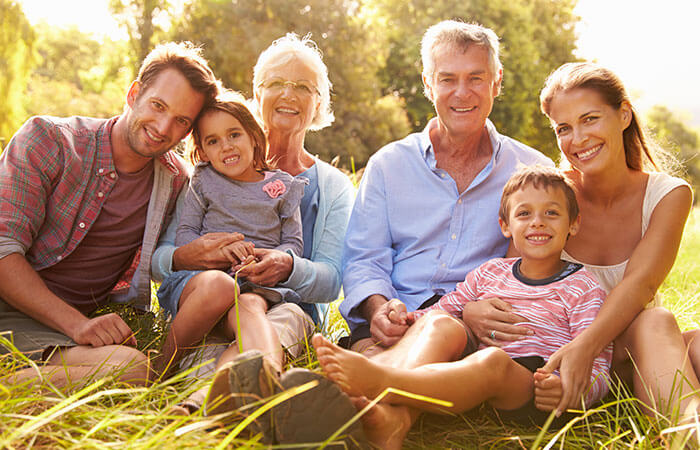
(104, 414)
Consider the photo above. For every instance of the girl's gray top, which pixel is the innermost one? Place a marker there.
(215, 203)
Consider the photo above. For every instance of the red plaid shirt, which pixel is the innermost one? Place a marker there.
(55, 175)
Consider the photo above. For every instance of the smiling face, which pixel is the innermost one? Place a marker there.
(462, 88)
(161, 114)
(284, 103)
(589, 131)
(227, 146)
(539, 223)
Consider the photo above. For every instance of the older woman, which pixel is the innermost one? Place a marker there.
(292, 94)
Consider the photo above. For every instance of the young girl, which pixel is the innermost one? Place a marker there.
(232, 189)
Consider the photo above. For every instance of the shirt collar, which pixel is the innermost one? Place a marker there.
(426, 146)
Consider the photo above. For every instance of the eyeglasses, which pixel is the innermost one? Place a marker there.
(303, 88)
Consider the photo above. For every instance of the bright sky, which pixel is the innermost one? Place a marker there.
(650, 44)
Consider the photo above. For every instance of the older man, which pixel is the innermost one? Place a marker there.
(427, 210)
(83, 202)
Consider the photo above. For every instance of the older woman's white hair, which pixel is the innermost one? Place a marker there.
(280, 52)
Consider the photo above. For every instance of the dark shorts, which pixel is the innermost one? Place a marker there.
(528, 414)
(28, 336)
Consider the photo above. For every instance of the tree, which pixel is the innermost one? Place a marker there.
(16, 60)
(139, 17)
(234, 33)
(672, 134)
(77, 75)
(536, 35)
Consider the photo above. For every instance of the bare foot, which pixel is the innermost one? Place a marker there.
(355, 374)
(385, 426)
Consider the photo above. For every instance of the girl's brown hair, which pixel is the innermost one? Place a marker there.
(233, 103)
(638, 153)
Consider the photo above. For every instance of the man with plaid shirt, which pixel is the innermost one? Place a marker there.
(82, 203)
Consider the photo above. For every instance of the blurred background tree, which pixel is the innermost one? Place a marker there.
(371, 47)
(16, 59)
(673, 135)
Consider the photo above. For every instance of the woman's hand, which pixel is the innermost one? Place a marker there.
(491, 320)
(272, 267)
(575, 363)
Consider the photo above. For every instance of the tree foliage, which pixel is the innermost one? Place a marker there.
(234, 33)
(77, 75)
(16, 60)
(673, 135)
(140, 18)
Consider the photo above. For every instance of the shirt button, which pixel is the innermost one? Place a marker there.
(113, 175)
(100, 194)
(81, 224)
(454, 236)
(459, 201)
(443, 265)
(58, 258)
(101, 171)
(443, 175)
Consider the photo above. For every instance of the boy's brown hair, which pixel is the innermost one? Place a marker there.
(539, 177)
(232, 102)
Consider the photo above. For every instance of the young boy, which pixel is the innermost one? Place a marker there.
(557, 300)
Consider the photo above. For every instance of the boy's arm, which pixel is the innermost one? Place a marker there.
(453, 303)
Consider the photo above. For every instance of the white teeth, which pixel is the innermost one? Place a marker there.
(538, 238)
(155, 138)
(587, 153)
(231, 159)
(464, 109)
(286, 110)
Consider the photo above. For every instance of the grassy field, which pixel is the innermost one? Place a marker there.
(104, 414)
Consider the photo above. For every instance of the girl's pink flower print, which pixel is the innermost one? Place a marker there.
(275, 188)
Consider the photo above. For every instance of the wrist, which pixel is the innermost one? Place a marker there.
(371, 305)
(176, 262)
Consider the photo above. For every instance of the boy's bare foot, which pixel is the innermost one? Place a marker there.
(355, 374)
(385, 426)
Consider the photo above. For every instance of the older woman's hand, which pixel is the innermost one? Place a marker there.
(491, 320)
(272, 268)
(206, 252)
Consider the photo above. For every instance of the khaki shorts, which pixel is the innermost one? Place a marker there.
(293, 327)
(33, 339)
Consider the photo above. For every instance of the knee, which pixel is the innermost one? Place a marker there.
(216, 288)
(130, 364)
(654, 323)
(450, 329)
(660, 320)
(494, 361)
(251, 304)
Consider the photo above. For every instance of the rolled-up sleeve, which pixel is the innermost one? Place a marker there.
(317, 280)
(28, 166)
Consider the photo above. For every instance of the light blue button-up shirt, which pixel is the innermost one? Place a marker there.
(412, 234)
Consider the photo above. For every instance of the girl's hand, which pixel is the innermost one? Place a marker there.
(575, 363)
(205, 252)
(239, 252)
(272, 268)
(491, 321)
(548, 390)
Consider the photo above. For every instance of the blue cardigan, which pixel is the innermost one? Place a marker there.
(316, 280)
